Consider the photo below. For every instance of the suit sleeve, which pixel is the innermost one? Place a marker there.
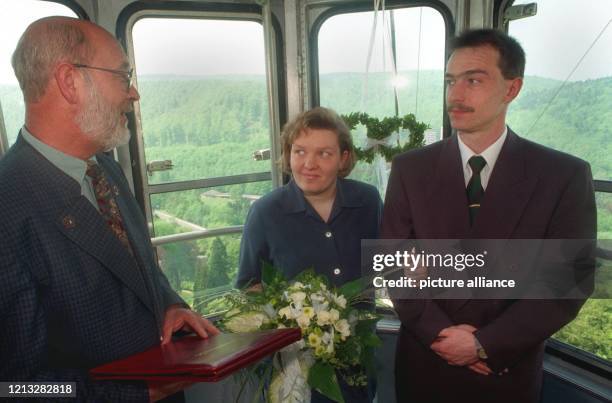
(527, 323)
(24, 341)
(421, 317)
(253, 248)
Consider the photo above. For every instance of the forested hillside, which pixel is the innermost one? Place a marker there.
(231, 111)
(210, 126)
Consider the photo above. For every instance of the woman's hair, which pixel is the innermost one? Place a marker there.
(318, 118)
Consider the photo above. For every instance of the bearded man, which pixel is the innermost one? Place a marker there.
(79, 282)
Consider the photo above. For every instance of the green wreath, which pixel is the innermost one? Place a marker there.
(380, 130)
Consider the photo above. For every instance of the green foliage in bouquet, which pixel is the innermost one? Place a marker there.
(382, 129)
(338, 337)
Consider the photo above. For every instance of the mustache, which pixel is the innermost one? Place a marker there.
(459, 107)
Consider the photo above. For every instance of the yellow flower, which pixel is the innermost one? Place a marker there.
(314, 340)
(319, 350)
(308, 311)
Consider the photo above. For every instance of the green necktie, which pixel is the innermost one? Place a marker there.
(474, 187)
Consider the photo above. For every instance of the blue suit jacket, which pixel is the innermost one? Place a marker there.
(71, 296)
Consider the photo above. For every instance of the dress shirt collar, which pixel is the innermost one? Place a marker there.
(490, 154)
(71, 166)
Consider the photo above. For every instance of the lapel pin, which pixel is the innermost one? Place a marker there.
(68, 222)
(115, 190)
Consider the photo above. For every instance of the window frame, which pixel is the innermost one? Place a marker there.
(137, 163)
(354, 7)
(574, 355)
(80, 13)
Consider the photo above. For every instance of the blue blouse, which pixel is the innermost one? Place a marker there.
(283, 229)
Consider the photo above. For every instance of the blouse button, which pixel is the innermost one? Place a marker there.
(328, 234)
(337, 271)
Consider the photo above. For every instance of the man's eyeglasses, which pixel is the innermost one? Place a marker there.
(126, 75)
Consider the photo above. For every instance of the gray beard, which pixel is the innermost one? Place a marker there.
(101, 122)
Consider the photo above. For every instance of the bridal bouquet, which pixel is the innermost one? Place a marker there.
(338, 338)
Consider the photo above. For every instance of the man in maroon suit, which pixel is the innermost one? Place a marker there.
(484, 182)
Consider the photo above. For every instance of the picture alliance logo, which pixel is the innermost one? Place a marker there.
(412, 261)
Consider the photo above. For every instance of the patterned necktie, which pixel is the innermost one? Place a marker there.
(107, 203)
(474, 187)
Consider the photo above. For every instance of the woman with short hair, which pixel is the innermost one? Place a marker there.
(316, 220)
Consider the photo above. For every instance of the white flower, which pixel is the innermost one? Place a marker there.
(335, 315)
(330, 347)
(328, 337)
(246, 322)
(318, 302)
(290, 381)
(298, 296)
(297, 285)
(318, 307)
(340, 300)
(343, 327)
(317, 297)
(303, 321)
(323, 318)
(287, 312)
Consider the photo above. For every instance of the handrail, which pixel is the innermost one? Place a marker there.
(189, 236)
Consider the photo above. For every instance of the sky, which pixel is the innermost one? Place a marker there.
(554, 41)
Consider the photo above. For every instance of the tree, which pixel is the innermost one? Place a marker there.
(201, 278)
(238, 204)
(218, 265)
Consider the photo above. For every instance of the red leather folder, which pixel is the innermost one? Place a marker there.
(201, 360)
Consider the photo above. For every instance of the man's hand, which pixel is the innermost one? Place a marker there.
(480, 367)
(178, 318)
(464, 326)
(456, 346)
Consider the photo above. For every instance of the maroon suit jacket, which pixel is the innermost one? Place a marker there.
(534, 193)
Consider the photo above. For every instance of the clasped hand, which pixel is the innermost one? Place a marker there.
(457, 346)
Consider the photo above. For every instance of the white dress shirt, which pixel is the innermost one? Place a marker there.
(490, 155)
